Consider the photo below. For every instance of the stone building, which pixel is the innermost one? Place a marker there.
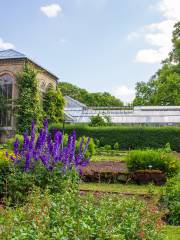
(12, 63)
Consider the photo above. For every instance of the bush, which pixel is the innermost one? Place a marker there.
(42, 161)
(98, 121)
(107, 147)
(152, 159)
(15, 185)
(116, 146)
(71, 216)
(128, 137)
(170, 199)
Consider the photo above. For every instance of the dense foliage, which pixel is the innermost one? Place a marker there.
(152, 159)
(33, 105)
(90, 99)
(71, 216)
(98, 121)
(41, 161)
(164, 87)
(53, 104)
(170, 199)
(136, 137)
(28, 105)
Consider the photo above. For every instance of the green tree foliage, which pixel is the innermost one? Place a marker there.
(53, 104)
(164, 87)
(90, 99)
(28, 106)
(98, 121)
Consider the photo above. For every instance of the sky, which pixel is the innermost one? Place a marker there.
(99, 45)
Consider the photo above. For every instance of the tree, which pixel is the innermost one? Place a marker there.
(28, 107)
(53, 104)
(90, 99)
(144, 93)
(97, 121)
(164, 87)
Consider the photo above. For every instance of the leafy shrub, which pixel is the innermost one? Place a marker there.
(131, 137)
(107, 147)
(116, 146)
(5, 170)
(71, 216)
(167, 148)
(171, 200)
(41, 161)
(152, 159)
(98, 121)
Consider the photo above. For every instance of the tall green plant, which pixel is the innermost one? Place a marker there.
(53, 105)
(28, 105)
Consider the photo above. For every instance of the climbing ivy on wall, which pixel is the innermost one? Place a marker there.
(28, 104)
(33, 106)
(53, 104)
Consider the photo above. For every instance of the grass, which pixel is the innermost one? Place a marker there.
(97, 158)
(120, 188)
(172, 232)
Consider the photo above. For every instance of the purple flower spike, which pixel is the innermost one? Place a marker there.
(49, 151)
(16, 147)
(27, 162)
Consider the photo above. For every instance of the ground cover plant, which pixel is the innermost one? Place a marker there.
(72, 216)
(121, 188)
(170, 200)
(172, 232)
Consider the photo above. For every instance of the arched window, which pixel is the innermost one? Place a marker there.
(43, 86)
(6, 82)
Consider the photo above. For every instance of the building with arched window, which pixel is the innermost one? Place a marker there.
(12, 63)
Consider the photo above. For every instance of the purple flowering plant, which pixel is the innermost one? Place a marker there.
(48, 150)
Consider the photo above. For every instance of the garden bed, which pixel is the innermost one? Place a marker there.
(105, 171)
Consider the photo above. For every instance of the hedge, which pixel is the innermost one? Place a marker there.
(132, 137)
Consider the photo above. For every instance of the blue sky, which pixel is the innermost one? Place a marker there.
(100, 45)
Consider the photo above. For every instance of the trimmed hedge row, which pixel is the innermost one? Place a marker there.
(133, 137)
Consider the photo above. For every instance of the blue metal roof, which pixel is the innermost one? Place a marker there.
(11, 54)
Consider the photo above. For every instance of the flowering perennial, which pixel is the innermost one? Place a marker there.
(49, 150)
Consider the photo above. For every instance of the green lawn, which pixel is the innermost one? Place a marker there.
(172, 232)
(120, 188)
(97, 158)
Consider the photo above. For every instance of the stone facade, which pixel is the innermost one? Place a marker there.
(12, 67)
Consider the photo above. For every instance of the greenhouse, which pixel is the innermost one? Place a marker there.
(77, 112)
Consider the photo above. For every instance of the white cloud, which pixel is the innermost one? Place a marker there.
(133, 35)
(51, 10)
(159, 34)
(124, 93)
(170, 9)
(5, 45)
